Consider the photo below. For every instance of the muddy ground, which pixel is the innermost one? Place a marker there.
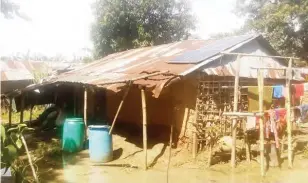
(128, 162)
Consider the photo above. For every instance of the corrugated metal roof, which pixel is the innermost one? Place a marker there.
(23, 70)
(19, 70)
(135, 63)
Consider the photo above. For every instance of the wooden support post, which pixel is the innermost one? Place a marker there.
(31, 111)
(120, 107)
(75, 101)
(184, 123)
(10, 112)
(144, 122)
(22, 106)
(247, 144)
(170, 148)
(288, 107)
(194, 145)
(235, 108)
(85, 110)
(261, 122)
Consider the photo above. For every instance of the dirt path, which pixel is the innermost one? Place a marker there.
(77, 168)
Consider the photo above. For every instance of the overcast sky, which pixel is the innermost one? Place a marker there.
(63, 26)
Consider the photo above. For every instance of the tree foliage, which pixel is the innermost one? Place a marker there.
(125, 24)
(283, 22)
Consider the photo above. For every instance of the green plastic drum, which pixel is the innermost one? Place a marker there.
(73, 135)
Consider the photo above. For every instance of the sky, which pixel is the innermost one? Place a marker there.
(62, 27)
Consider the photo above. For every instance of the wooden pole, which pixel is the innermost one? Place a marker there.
(144, 122)
(260, 87)
(29, 159)
(235, 108)
(288, 107)
(184, 123)
(10, 112)
(247, 144)
(120, 107)
(22, 105)
(31, 111)
(75, 101)
(170, 148)
(85, 110)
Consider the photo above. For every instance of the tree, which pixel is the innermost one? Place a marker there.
(283, 22)
(126, 24)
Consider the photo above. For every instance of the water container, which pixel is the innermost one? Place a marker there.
(73, 134)
(100, 143)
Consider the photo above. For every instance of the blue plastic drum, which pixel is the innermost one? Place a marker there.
(100, 143)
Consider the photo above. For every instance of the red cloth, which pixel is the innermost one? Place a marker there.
(299, 90)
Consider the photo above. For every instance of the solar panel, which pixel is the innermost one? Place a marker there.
(209, 50)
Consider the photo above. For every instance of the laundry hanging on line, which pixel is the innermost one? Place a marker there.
(253, 98)
(278, 91)
(298, 90)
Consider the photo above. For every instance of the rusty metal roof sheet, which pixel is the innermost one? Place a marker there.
(134, 63)
(19, 70)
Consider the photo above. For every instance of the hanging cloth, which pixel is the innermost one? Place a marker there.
(278, 91)
(253, 98)
(299, 90)
(303, 109)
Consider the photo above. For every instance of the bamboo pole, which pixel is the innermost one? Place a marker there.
(184, 123)
(261, 86)
(242, 114)
(235, 108)
(22, 106)
(29, 159)
(144, 122)
(194, 145)
(209, 162)
(85, 110)
(170, 149)
(247, 144)
(120, 107)
(288, 107)
(10, 112)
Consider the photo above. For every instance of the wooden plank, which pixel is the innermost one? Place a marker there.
(288, 107)
(261, 86)
(144, 122)
(120, 107)
(235, 108)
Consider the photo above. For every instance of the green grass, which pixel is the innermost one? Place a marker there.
(37, 110)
